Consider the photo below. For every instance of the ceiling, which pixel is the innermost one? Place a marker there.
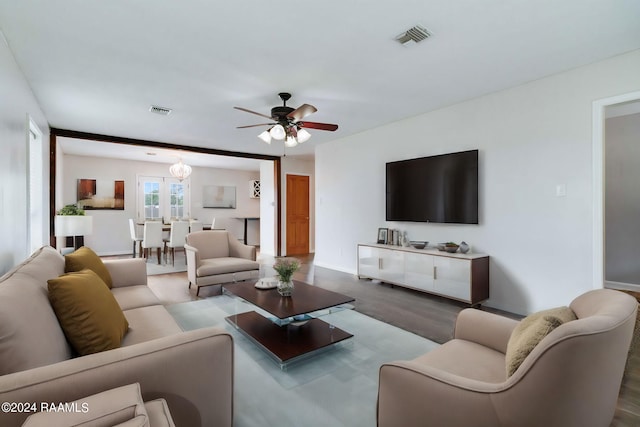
(97, 66)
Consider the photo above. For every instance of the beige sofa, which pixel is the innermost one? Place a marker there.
(215, 257)
(192, 371)
(570, 379)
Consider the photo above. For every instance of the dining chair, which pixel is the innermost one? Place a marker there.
(195, 226)
(135, 237)
(176, 240)
(152, 238)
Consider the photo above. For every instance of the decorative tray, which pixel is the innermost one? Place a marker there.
(267, 283)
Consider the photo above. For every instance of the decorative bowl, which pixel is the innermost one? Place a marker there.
(451, 248)
(418, 244)
(440, 246)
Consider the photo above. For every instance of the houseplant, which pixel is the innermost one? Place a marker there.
(285, 267)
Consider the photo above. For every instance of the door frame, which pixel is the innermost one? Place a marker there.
(598, 149)
(56, 132)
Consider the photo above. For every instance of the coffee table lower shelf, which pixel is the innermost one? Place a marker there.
(287, 343)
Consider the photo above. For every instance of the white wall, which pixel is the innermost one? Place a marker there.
(268, 220)
(290, 166)
(16, 102)
(111, 228)
(622, 209)
(531, 138)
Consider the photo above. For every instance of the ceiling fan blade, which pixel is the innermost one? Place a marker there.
(253, 112)
(302, 111)
(253, 126)
(321, 126)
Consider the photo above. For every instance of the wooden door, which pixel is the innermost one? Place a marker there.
(297, 214)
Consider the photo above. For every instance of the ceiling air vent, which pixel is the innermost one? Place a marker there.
(415, 34)
(160, 110)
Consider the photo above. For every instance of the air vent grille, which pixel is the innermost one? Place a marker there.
(414, 34)
(160, 110)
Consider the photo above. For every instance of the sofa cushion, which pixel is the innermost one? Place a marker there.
(86, 258)
(87, 311)
(30, 335)
(468, 360)
(49, 264)
(109, 408)
(159, 415)
(530, 331)
(210, 267)
(129, 297)
(149, 323)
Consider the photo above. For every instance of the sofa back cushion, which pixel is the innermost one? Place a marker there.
(30, 335)
(210, 244)
(49, 264)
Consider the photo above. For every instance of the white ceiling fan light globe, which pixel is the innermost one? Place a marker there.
(291, 141)
(265, 136)
(303, 136)
(278, 132)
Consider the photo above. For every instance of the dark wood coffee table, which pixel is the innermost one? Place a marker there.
(292, 333)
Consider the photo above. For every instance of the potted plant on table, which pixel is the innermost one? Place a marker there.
(285, 267)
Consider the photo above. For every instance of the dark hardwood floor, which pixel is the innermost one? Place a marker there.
(426, 315)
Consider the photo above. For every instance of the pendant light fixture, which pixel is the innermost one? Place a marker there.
(180, 170)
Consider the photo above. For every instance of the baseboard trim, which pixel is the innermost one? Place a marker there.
(621, 285)
(334, 267)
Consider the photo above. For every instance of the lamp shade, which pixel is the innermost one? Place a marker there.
(303, 136)
(265, 136)
(291, 141)
(180, 170)
(278, 132)
(73, 225)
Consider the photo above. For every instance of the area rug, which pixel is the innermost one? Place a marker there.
(337, 387)
(154, 268)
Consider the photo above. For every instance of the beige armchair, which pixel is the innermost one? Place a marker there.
(215, 257)
(571, 378)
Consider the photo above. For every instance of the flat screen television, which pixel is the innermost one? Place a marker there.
(441, 189)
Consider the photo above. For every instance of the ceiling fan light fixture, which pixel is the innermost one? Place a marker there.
(303, 136)
(278, 132)
(291, 141)
(265, 136)
(180, 170)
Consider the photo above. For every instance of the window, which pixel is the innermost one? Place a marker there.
(161, 198)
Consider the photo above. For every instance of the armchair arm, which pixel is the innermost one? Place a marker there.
(240, 250)
(192, 371)
(488, 329)
(127, 272)
(416, 395)
(193, 260)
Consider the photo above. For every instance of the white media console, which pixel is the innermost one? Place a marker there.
(463, 277)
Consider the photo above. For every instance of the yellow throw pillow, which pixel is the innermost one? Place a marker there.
(531, 330)
(86, 258)
(88, 313)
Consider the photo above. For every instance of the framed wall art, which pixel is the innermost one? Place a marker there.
(94, 194)
(218, 196)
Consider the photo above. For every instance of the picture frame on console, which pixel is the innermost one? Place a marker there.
(382, 235)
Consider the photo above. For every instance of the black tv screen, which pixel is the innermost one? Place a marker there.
(441, 189)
